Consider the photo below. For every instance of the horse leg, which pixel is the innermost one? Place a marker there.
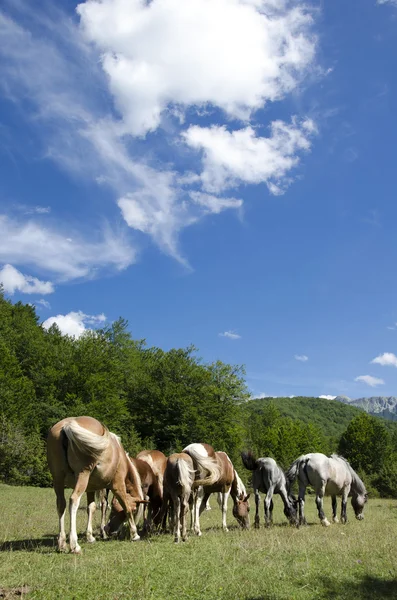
(301, 500)
(104, 494)
(196, 508)
(319, 503)
(184, 511)
(268, 500)
(177, 517)
(334, 509)
(79, 489)
(225, 496)
(91, 507)
(61, 508)
(257, 505)
(343, 516)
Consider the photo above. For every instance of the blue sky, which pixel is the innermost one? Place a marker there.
(219, 173)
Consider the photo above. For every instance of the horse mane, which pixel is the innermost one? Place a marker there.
(239, 485)
(136, 477)
(358, 483)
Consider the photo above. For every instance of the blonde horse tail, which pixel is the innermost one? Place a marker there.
(209, 470)
(185, 475)
(86, 442)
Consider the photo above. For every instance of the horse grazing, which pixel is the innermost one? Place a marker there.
(152, 492)
(222, 478)
(268, 478)
(178, 483)
(328, 476)
(85, 456)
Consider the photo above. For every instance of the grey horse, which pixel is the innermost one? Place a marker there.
(328, 476)
(269, 479)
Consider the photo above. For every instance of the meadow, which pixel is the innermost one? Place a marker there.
(357, 560)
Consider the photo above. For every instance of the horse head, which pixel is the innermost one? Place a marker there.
(358, 503)
(118, 516)
(290, 509)
(241, 510)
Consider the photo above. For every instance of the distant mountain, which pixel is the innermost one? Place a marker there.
(380, 406)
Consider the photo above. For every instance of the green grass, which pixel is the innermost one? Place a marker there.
(353, 561)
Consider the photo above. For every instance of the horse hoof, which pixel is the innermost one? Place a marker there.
(335, 520)
(136, 538)
(225, 529)
(90, 539)
(325, 522)
(76, 550)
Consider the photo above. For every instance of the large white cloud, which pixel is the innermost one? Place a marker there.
(233, 54)
(231, 157)
(13, 281)
(74, 323)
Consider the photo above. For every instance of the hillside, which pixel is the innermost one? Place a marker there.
(332, 417)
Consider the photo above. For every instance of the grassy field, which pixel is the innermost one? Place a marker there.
(358, 560)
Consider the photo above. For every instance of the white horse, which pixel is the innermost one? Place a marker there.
(268, 478)
(329, 476)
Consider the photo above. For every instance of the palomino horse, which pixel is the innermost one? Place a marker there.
(178, 484)
(223, 478)
(85, 456)
(331, 476)
(152, 492)
(268, 478)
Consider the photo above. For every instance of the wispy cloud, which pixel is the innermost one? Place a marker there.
(369, 380)
(74, 323)
(15, 281)
(44, 303)
(392, 2)
(232, 335)
(387, 359)
(301, 357)
(65, 254)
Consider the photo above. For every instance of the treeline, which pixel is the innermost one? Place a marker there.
(151, 398)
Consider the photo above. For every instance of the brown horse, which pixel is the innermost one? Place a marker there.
(227, 482)
(152, 492)
(85, 456)
(178, 483)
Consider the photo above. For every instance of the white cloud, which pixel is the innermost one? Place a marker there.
(38, 210)
(262, 395)
(231, 335)
(369, 380)
(55, 252)
(15, 281)
(301, 357)
(230, 158)
(393, 2)
(74, 323)
(327, 397)
(233, 54)
(387, 359)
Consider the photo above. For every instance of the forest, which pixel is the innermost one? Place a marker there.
(163, 399)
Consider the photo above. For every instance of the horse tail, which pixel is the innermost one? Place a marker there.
(249, 460)
(185, 475)
(85, 441)
(203, 464)
(292, 473)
